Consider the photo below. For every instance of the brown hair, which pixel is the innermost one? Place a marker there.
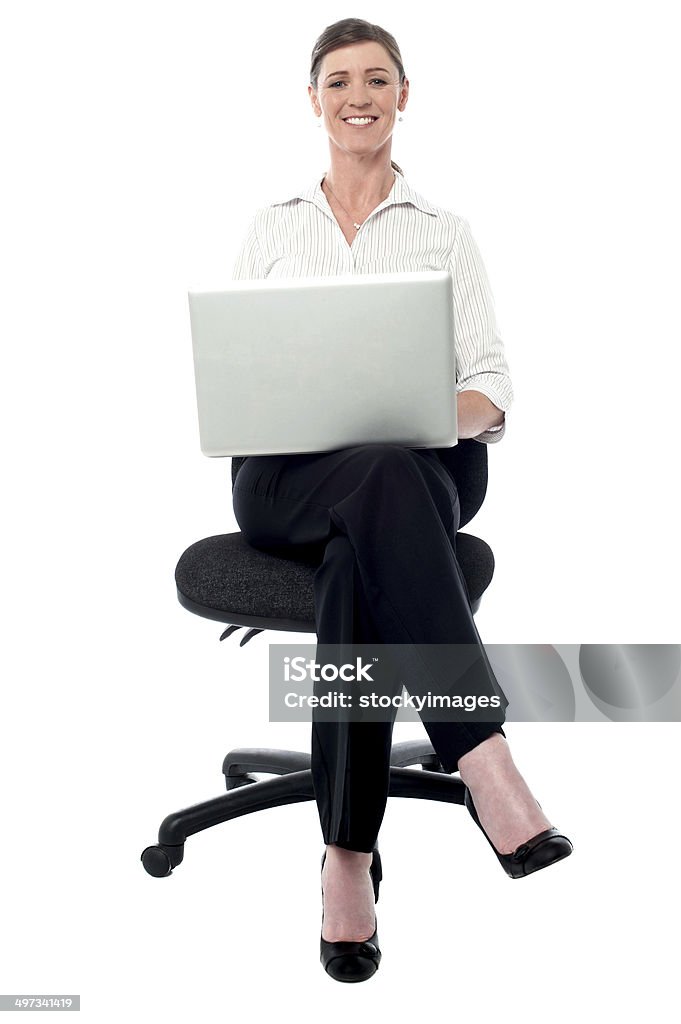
(354, 30)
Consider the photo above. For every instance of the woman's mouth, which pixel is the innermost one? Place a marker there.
(360, 122)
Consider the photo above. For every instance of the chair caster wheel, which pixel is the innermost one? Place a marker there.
(236, 781)
(160, 860)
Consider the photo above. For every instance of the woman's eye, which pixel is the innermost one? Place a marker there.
(339, 82)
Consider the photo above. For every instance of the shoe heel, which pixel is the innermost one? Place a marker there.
(376, 871)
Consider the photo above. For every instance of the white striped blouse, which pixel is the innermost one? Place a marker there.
(300, 237)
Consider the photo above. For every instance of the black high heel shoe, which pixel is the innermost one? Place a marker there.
(538, 852)
(354, 961)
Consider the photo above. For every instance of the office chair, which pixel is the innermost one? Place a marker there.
(225, 579)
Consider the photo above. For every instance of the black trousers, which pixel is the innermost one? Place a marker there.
(383, 520)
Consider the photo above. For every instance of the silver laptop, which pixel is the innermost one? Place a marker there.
(322, 363)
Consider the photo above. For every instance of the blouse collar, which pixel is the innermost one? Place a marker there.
(400, 192)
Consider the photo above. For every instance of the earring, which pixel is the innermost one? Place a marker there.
(400, 118)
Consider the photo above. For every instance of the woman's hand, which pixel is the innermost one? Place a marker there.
(476, 413)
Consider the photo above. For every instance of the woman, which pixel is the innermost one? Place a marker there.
(377, 512)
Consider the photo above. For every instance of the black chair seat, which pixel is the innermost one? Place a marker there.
(225, 578)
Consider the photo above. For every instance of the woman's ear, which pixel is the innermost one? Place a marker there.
(316, 109)
(404, 95)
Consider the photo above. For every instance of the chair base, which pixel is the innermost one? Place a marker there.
(292, 784)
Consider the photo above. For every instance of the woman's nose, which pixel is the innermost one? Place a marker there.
(358, 98)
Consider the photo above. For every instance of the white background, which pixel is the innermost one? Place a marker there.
(139, 138)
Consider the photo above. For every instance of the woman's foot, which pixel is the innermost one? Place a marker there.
(508, 812)
(348, 894)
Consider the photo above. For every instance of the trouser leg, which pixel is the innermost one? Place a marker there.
(350, 759)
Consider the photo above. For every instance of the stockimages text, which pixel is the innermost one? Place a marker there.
(301, 670)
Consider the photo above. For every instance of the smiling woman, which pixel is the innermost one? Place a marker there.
(386, 516)
(354, 82)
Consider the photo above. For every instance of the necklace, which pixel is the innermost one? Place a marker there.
(354, 222)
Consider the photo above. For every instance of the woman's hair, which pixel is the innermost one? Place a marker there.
(354, 30)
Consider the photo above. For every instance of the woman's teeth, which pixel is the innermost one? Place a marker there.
(359, 120)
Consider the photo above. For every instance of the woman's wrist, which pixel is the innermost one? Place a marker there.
(477, 414)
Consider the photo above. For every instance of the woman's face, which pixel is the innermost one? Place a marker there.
(357, 81)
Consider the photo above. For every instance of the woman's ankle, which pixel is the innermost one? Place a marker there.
(338, 855)
(484, 760)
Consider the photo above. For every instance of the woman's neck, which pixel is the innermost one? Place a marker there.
(361, 183)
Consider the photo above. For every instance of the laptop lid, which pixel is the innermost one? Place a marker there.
(321, 363)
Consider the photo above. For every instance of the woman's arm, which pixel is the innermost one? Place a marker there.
(249, 265)
(483, 382)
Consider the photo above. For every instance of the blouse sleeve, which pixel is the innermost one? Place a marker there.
(480, 358)
(249, 262)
